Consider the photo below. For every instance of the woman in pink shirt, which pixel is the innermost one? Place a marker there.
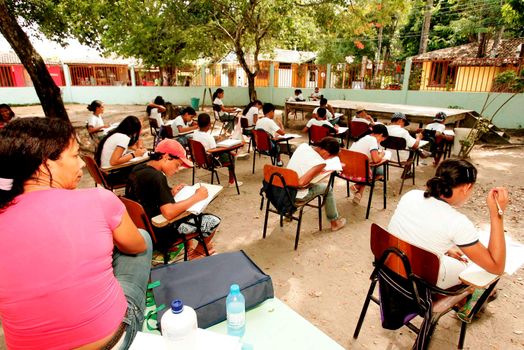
(73, 266)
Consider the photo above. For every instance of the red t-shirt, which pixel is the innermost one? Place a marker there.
(57, 287)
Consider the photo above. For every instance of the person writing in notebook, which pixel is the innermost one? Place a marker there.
(268, 124)
(203, 136)
(429, 219)
(148, 185)
(368, 145)
(308, 162)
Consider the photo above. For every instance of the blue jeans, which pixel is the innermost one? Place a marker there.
(330, 206)
(132, 272)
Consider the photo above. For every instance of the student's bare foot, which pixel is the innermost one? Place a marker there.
(338, 224)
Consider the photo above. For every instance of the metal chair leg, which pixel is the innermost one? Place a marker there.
(364, 308)
(265, 220)
(254, 158)
(371, 188)
(297, 236)
(320, 213)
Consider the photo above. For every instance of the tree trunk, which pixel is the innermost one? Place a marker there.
(496, 42)
(379, 50)
(425, 28)
(251, 86)
(483, 42)
(45, 87)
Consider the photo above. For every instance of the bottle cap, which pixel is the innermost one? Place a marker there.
(235, 289)
(177, 306)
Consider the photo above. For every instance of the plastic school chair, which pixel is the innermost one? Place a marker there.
(99, 175)
(318, 132)
(397, 144)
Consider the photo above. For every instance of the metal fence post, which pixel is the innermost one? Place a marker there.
(405, 82)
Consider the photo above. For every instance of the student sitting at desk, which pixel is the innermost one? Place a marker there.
(297, 97)
(429, 220)
(203, 136)
(251, 112)
(184, 123)
(156, 109)
(272, 128)
(148, 185)
(316, 95)
(362, 116)
(436, 141)
(396, 129)
(320, 120)
(112, 149)
(95, 123)
(369, 145)
(308, 162)
(331, 116)
(224, 113)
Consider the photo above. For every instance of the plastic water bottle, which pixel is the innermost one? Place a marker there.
(179, 326)
(236, 312)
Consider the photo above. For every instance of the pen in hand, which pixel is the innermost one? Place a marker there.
(498, 207)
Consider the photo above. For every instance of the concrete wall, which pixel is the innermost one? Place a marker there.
(510, 116)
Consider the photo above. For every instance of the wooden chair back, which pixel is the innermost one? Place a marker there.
(290, 176)
(153, 126)
(394, 142)
(262, 141)
(199, 154)
(139, 216)
(168, 131)
(358, 129)
(244, 123)
(354, 164)
(95, 171)
(317, 133)
(423, 263)
(429, 134)
(217, 108)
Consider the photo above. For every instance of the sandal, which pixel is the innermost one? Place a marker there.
(357, 198)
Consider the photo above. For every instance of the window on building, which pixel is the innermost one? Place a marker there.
(442, 74)
(6, 77)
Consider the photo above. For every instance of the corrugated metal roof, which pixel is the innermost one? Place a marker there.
(508, 51)
(11, 58)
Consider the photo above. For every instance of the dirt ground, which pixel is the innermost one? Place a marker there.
(326, 279)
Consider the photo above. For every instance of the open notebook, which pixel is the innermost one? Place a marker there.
(229, 143)
(188, 191)
(476, 275)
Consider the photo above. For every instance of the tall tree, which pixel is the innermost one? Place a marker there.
(45, 87)
(246, 28)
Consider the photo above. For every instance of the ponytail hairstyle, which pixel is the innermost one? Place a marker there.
(450, 174)
(251, 104)
(25, 144)
(130, 126)
(217, 91)
(94, 105)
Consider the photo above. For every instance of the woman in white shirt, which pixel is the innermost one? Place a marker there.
(223, 112)
(95, 123)
(251, 112)
(156, 109)
(431, 221)
(113, 148)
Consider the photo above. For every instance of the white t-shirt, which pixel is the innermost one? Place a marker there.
(365, 145)
(358, 119)
(95, 121)
(436, 226)
(114, 141)
(219, 102)
(314, 121)
(303, 159)
(179, 121)
(205, 139)
(267, 124)
(250, 115)
(398, 131)
(316, 94)
(157, 116)
(436, 126)
(329, 115)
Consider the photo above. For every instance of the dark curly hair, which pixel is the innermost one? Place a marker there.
(130, 126)
(450, 174)
(27, 143)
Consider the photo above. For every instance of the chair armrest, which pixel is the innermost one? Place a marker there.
(382, 162)
(161, 221)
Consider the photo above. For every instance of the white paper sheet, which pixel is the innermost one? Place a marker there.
(188, 191)
(293, 136)
(228, 143)
(449, 132)
(333, 164)
(342, 129)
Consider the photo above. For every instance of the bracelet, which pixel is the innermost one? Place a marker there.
(132, 155)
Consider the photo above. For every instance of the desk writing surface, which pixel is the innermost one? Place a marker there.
(274, 325)
(132, 162)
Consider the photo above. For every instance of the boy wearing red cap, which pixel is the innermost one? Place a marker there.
(148, 185)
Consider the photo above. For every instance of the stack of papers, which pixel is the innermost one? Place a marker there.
(188, 191)
(229, 143)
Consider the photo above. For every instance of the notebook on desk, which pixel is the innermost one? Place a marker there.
(188, 191)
